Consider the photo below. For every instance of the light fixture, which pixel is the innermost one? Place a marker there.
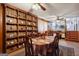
(36, 6)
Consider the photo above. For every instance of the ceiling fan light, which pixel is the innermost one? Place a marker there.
(36, 7)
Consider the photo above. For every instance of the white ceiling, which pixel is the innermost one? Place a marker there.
(52, 9)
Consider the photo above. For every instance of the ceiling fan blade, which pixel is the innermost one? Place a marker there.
(42, 7)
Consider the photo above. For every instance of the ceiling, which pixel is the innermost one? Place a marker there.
(52, 9)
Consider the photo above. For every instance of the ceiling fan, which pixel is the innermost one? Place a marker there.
(37, 6)
(59, 18)
(41, 6)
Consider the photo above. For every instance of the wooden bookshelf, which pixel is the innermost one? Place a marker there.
(31, 25)
(16, 25)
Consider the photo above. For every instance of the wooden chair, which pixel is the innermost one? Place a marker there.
(56, 45)
(53, 48)
(29, 51)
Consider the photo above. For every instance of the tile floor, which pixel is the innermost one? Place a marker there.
(62, 42)
(74, 45)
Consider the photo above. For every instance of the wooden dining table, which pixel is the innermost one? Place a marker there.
(40, 44)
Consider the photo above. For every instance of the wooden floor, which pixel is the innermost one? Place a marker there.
(62, 42)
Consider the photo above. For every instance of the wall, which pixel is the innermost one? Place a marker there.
(42, 25)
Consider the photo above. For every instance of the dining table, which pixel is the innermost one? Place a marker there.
(41, 44)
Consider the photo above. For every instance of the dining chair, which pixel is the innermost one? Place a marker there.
(29, 50)
(56, 45)
(53, 48)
